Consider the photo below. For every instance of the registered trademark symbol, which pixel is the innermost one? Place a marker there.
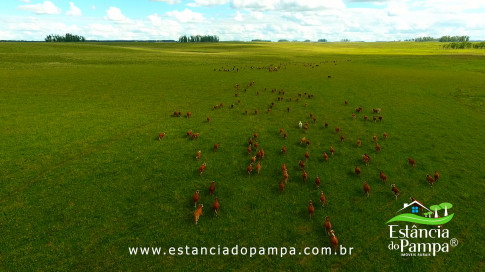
(453, 242)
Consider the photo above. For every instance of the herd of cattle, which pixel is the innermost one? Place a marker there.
(256, 153)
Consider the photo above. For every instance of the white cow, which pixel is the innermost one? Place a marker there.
(300, 124)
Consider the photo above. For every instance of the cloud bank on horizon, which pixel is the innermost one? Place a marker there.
(245, 20)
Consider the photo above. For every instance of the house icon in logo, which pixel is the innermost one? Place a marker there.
(415, 206)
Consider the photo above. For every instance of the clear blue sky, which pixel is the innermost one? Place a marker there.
(243, 19)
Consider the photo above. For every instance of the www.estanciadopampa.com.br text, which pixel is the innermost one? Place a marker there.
(238, 250)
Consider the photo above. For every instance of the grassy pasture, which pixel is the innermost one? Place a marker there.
(83, 177)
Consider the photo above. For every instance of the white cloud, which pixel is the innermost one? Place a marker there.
(448, 6)
(254, 4)
(287, 5)
(164, 28)
(238, 17)
(207, 3)
(7, 35)
(33, 27)
(100, 30)
(186, 16)
(114, 14)
(373, 1)
(311, 5)
(396, 8)
(73, 11)
(45, 8)
(257, 15)
(155, 19)
(170, 2)
(93, 7)
(25, 1)
(107, 31)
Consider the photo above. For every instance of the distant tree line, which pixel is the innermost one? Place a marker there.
(464, 44)
(322, 40)
(66, 38)
(198, 38)
(425, 39)
(454, 39)
(479, 45)
(454, 42)
(442, 39)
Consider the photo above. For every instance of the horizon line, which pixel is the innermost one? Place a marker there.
(255, 40)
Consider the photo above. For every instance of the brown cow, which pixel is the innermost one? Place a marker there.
(395, 190)
(311, 209)
(198, 213)
(366, 189)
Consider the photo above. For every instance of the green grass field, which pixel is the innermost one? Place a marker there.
(83, 176)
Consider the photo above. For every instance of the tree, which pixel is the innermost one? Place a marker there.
(446, 206)
(66, 38)
(322, 40)
(436, 208)
(480, 45)
(198, 38)
(425, 39)
(458, 45)
(454, 38)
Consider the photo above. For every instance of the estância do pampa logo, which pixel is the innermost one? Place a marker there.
(426, 240)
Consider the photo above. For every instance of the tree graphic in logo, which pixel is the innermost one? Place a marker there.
(428, 218)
